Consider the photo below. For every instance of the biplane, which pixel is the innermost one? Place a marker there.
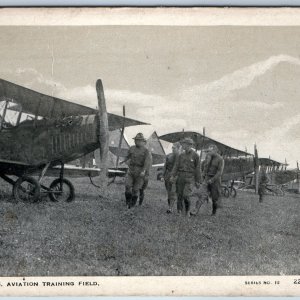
(39, 134)
(237, 163)
(278, 175)
(153, 144)
(241, 165)
(118, 146)
(157, 150)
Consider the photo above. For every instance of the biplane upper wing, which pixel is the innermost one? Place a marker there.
(36, 103)
(201, 142)
(116, 122)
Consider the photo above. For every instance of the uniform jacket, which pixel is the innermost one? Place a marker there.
(188, 163)
(140, 158)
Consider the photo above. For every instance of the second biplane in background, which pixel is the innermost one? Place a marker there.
(39, 133)
(238, 164)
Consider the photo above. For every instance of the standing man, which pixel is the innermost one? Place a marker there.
(140, 161)
(212, 175)
(168, 168)
(187, 172)
(263, 180)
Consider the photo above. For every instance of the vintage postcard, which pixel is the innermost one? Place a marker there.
(150, 151)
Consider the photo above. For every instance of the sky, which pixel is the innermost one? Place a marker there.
(241, 83)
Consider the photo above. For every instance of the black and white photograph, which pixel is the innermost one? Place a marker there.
(149, 150)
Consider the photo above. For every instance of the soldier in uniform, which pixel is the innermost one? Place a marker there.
(212, 175)
(187, 172)
(168, 167)
(263, 180)
(140, 161)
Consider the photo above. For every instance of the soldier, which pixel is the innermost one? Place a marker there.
(187, 172)
(263, 180)
(168, 167)
(212, 175)
(140, 160)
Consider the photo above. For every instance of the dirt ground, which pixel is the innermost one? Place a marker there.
(99, 236)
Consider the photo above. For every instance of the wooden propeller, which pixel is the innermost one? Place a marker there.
(103, 135)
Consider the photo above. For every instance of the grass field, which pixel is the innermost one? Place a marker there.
(96, 236)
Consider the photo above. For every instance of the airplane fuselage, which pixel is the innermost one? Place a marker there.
(37, 142)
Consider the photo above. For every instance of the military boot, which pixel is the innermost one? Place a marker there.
(134, 200)
(128, 197)
(214, 209)
(187, 206)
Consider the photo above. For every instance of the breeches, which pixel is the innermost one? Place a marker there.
(215, 190)
(261, 189)
(134, 183)
(171, 190)
(185, 186)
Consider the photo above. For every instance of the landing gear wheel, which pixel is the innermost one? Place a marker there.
(62, 190)
(27, 189)
(225, 191)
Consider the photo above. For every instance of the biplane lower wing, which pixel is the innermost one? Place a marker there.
(16, 168)
(78, 172)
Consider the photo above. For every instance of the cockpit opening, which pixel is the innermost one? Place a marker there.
(10, 113)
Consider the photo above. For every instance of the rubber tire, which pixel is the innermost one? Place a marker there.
(225, 191)
(32, 181)
(56, 181)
